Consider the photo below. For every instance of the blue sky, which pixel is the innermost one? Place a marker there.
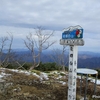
(21, 17)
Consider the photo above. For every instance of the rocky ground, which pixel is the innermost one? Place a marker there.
(35, 85)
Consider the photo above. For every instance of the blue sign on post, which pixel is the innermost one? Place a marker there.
(72, 36)
(73, 33)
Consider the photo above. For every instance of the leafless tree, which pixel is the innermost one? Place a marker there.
(60, 57)
(6, 50)
(63, 60)
(19, 60)
(38, 42)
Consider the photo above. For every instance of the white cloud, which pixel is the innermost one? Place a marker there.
(50, 14)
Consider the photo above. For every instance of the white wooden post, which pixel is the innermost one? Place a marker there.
(72, 73)
(72, 36)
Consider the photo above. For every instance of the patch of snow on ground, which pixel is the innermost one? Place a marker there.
(91, 80)
(36, 75)
(44, 76)
(98, 81)
(59, 77)
(1, 76)
(54, 72)
(41, 76)
(62, 82)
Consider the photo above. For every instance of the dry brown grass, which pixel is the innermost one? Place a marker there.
(29, 87)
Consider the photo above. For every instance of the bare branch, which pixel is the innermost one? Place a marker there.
(59, 57)
(6, 44)
(41, 44)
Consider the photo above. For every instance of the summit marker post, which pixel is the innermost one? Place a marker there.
(72, 36)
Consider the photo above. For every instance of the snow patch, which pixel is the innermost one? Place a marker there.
(98, 81)
(44, 76)
(62, 82)
(91, 80)
(1, 76)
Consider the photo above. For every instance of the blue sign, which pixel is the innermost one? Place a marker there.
(72, 33)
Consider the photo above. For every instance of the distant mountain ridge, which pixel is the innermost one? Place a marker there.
(85, 59)
(92, 54)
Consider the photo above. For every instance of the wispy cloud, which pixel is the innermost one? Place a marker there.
(53, 15)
